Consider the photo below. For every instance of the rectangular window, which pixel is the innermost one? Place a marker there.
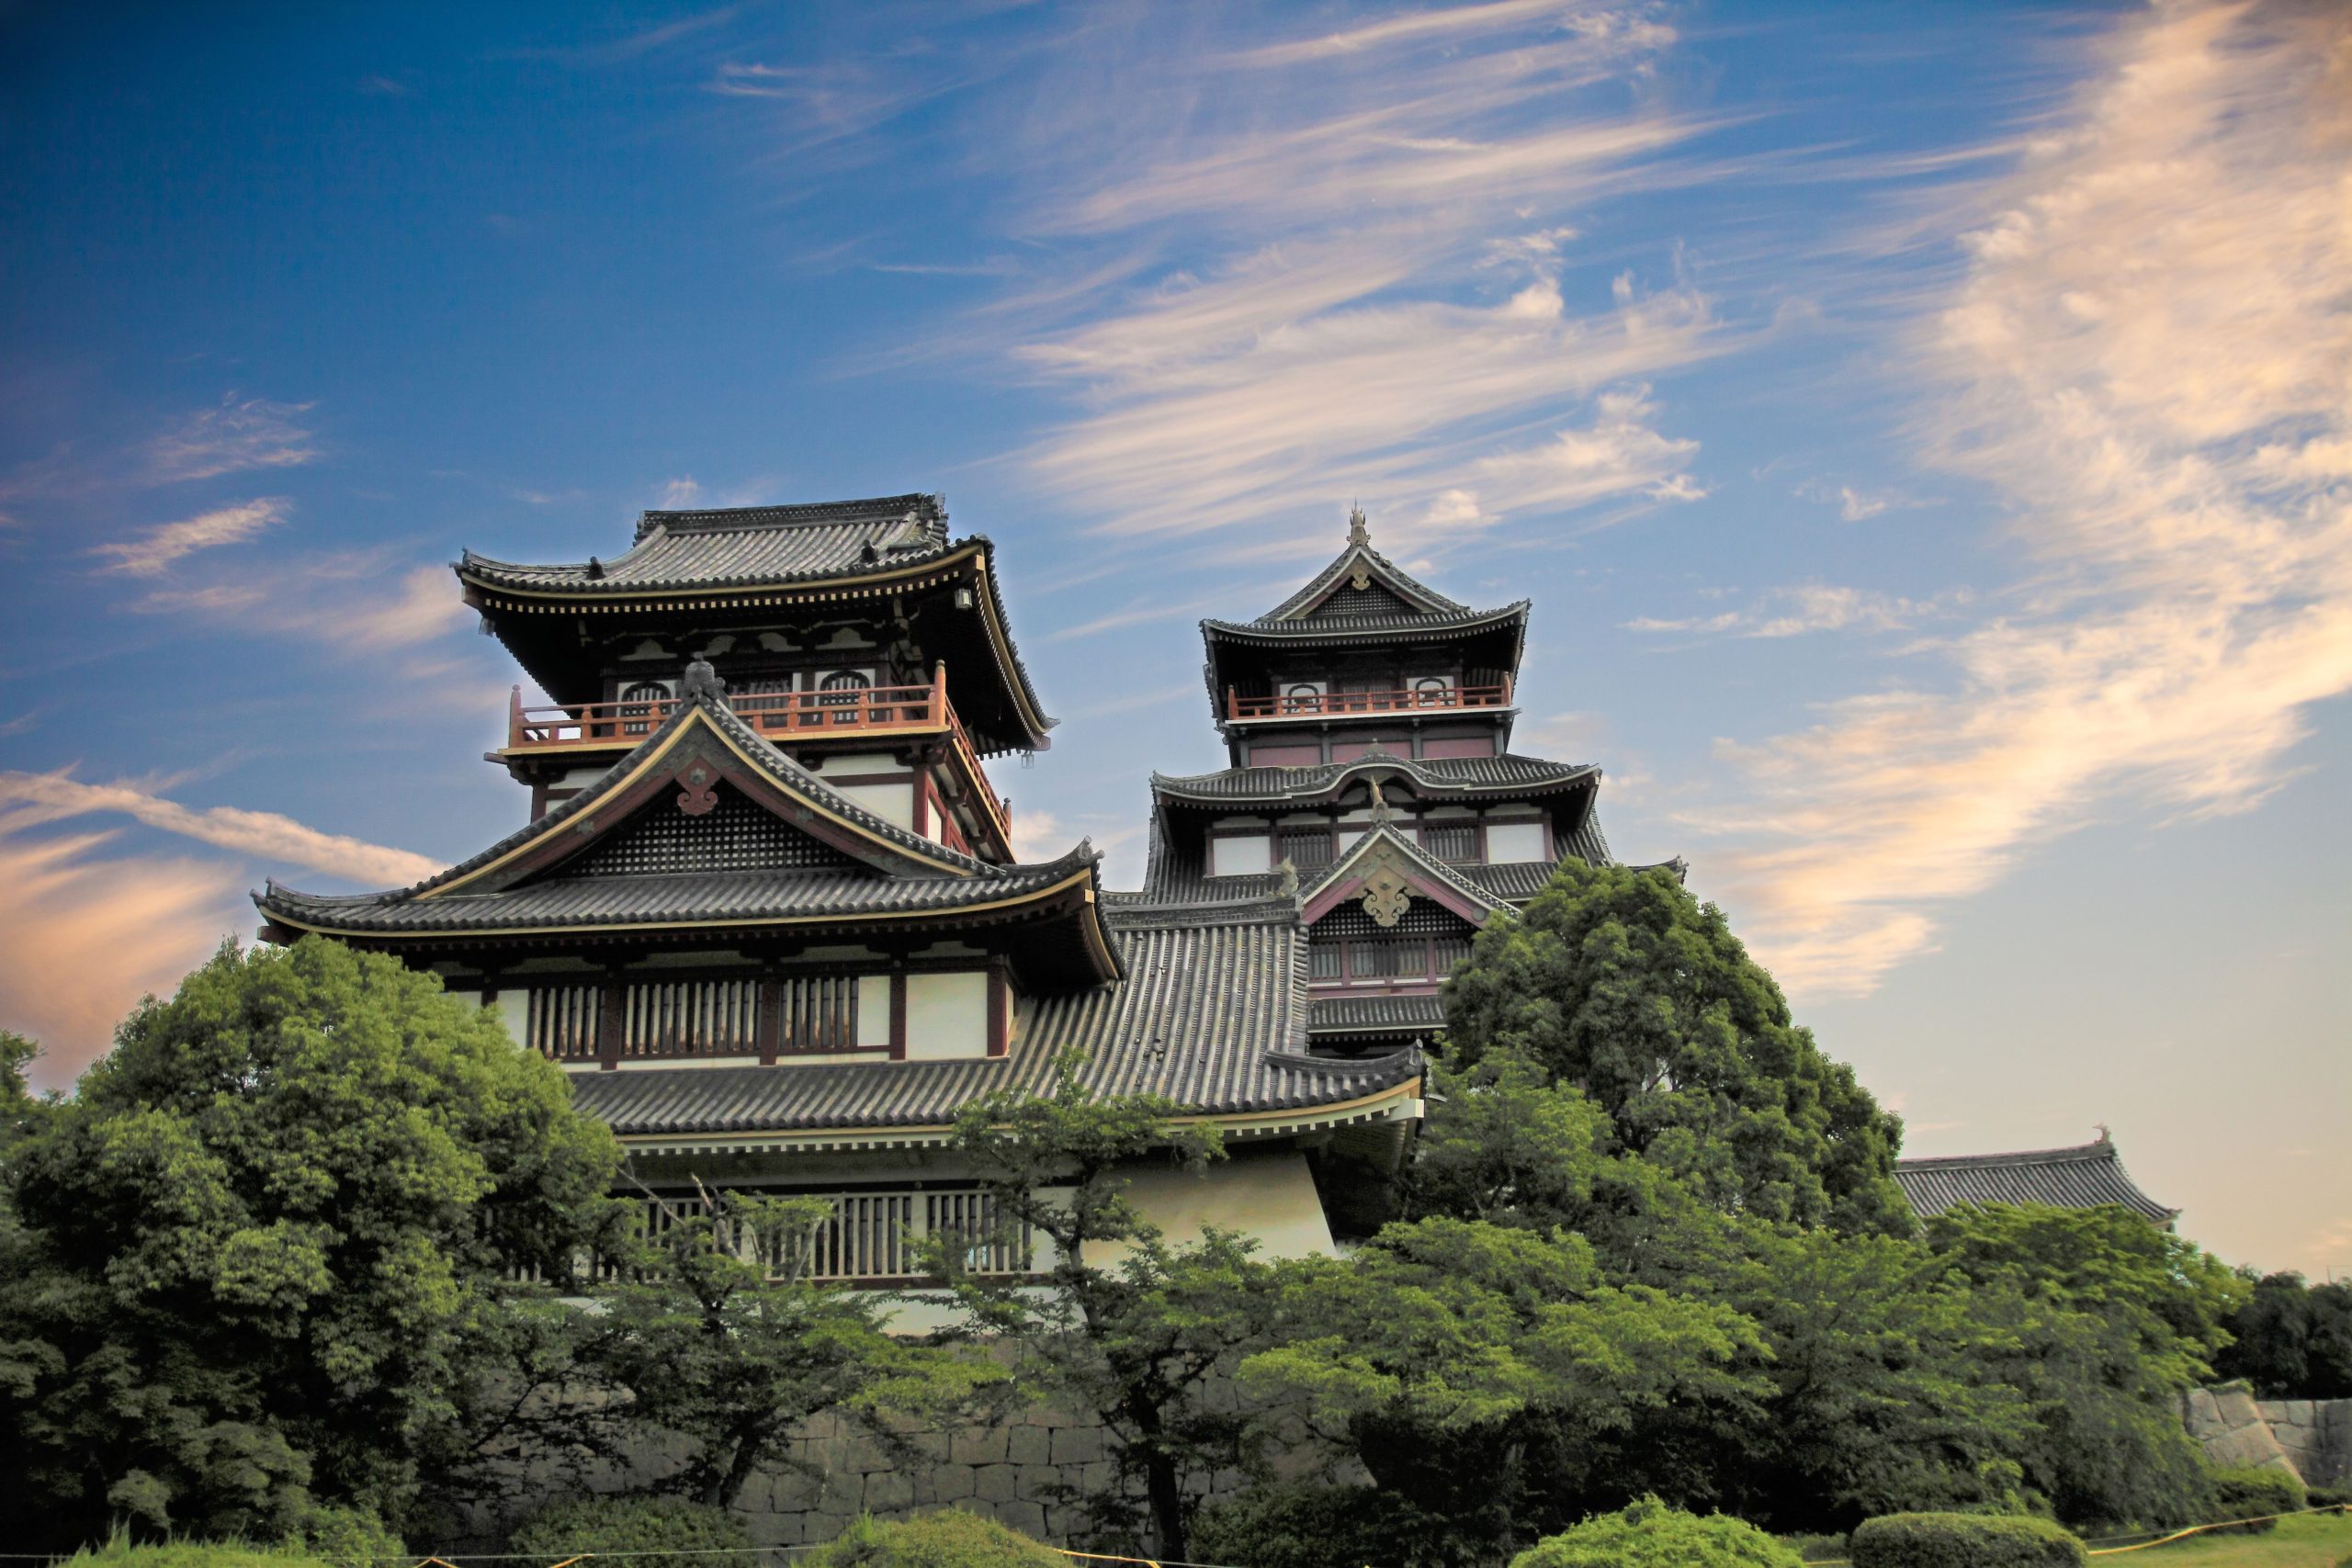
(1445, 952)
(865, 1238)
(1451, 840)
(560, 1021)
(1389, 958)
(817, 1012)
(1309, 849)
(690, 1018)
(1323, 961)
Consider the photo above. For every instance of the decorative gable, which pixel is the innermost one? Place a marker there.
(731, 834)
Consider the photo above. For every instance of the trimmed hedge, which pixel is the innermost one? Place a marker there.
(1306, 1526)
(656, 1526)
(1965, 1540)
(120, 1553)
(950, 1539)
(2250, 1494)
(1648, 1534)
(1818, 1548)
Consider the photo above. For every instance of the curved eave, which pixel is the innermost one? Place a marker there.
(491, 593)
(307, 919)
(1294, 633)
(1167, 790)
(1400, 1102)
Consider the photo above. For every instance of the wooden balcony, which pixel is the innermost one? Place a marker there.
(1356, 704)
(880, 712)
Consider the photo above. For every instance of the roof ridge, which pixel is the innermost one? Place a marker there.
(926, 507)
(2097, 1148)
(1386, 832)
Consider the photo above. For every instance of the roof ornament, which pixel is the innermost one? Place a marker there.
(1381, 810)
(1359, 536)
(702, 681)
(595, 569)
(1288, 884)
(2104, 1135)
(1386, 896)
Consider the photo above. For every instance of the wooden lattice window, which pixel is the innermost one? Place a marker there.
(1451, 840)
(690, 1018)
(817, 1012)
(562, 1022)
(1309, 849)
(639, 704)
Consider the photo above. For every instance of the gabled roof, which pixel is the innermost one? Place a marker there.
(871, 872)
(1385, 854)
(1362, 596)
(1357, 568)
(1212, 1015)
(743, 544)
(1509, 773)
(2085, 1176)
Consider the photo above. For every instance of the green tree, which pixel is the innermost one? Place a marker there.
(717, 1332)
(1645, 1533)
(1471, 1367)
(2100, 1320)
(2291, 1340)
(1114, 1319)
(1622, 986)
(265, 1243)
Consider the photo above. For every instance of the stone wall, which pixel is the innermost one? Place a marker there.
(1027, 1469)
(2308, 1437)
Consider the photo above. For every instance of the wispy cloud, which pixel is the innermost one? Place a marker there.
(2150, 354)
(1368, 301)
(238, 434)
(29, 800)
(1808, 607)
(354, 602)
(155, 549)
(83, 936)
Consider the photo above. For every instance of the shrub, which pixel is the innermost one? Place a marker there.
(2251, 1495)
(1965, 1540)
(1648, 1534)
(1305, 1525)
(119, 1552)
(655, 1526)
(1816, 1548)
(2337, 1497)
(350, 1538)
(952, 1539)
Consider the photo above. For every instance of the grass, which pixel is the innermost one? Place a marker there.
(2314, 1540)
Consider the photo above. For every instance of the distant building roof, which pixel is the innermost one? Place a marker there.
(2087, 1176)
(1433, 776)
(744, 545)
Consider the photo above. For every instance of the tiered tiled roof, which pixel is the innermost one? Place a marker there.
(2087, 1176)
(1212, 1015)
(1385, 845)
(744, 546)
(1378, 1015)
(735, 558)
(1444, 776)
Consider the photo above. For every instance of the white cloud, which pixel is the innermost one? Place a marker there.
(29, 800)
(680, 493)
(1371, 304)
(339, 602)
(155, 549)
(2150, 354)
(1809, 607)
(235, 435)
(84, 937)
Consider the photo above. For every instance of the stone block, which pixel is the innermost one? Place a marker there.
(889, 1490)
(1078, 1445)
(2199, 1413)
(2236, 1407)
(1100, 1479)
(1028, 1445)
(952, 1482)
(978, 1445)
(926, 1484)
(2248, 1447)
(1027, 1517)
(993, 1483)
(818, 1528)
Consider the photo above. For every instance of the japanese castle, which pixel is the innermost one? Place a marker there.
(766, 911)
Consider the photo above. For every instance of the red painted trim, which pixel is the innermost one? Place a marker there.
(1338, 892)
(769, 1025)
(897, 1018)
(922, 806)
(999, 1014)
(608, 1023)
(839, 779)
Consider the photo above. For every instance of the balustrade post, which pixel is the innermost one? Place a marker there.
(609, 1022)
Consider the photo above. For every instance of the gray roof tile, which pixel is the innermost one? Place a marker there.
(747, 545)
(1441, 776)
(1212, 1015)
(2087, 1176)
(1367, 629)
(1365, 1014)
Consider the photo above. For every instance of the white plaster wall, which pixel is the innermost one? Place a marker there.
(514, 1006)
(1239, 857)
(894, 802)
(874, 1010)
(947, 1016)
(1517, 841)
(1269, 1196)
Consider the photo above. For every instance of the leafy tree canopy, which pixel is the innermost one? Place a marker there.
(264, 1242)
(2291, 1340)
(1619, 983)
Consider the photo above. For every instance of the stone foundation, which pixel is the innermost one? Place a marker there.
(2309, 1438)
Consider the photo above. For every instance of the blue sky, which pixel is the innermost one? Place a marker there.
(1926, 432)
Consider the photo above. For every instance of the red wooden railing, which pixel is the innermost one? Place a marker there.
(847, 713)
(1336, 705)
